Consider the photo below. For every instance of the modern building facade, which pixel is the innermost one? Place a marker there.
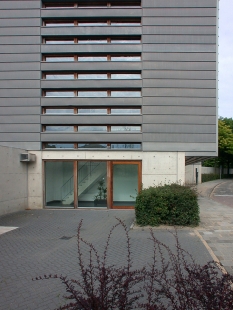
(108, 95)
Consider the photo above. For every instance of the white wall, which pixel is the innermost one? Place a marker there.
(13, 180)
(190, 173)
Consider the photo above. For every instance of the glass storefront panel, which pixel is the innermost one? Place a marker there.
(59, 184)
(125, 184)
(92, 184)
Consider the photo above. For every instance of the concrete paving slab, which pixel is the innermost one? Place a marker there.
(45, 243)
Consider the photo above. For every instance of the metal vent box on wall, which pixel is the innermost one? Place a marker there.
(27, 157)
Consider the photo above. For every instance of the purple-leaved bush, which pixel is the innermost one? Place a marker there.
(173, 281)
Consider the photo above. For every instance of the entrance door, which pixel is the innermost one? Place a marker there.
(59, 184)
(92, 184)
(125, 183)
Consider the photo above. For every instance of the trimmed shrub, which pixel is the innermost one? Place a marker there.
(209, 177)
(171, 204)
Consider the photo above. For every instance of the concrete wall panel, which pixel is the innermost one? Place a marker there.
(181, 21)
(13, 176)
(179, 12)
(179, 56)
(86, 12)
(180, 3)
(46, 101)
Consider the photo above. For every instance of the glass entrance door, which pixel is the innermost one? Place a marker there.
(92, 184)
(125, 180)
(59, 184)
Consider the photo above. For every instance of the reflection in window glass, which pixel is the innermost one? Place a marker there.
(59, 59)
(92, 145)
(59, 76)
(59, 128)
(56, 6)
(59, 41)
(92, 128)
(125, 23)
(125, 58)
(126, 41)
(92, 58)
(125, 111)
(126, 146)
(92, 94)
(125, 128)
(59, 94)
(125, 93)
(92, 41)
(92, 76)
(48, 24)
(59, 111)
(58, 145)
(93, 24)
(128, 76)
(92, 111)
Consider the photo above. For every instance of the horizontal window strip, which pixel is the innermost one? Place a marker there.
(93, 93)
(91, 4)
(127, 22)
(91, 128)
(91, 76)
(87, 145)
(92, 111)
(93, 40)
(89, 58)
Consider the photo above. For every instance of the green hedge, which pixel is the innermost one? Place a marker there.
(169, 204)
(209, 177)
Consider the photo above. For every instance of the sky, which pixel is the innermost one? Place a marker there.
(225, 59)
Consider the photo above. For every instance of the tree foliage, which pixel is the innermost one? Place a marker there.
(225, 145)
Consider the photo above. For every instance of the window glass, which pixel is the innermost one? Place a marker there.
(92, 111)
(92, 41)
(92, 94)
(93, 24)
(59, 76)
(92, 76)
(59, 94)
(59, 184)
(126, 146)
(126, 128)
(126, 41)
(59, 128)
(125, 58)
(92, 58)
(59, 59)
(125, 93)
(59, 111)
(92, 128)
(125, 111)
(48, 41)
(58, 6)
(52, 145)
(92, 145)
(125, 76)
(48, 24)
(125, 23)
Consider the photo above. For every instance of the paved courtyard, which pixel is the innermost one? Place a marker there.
(45, 242)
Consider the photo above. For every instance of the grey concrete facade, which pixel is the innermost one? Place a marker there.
(13, 181)
(178, 49)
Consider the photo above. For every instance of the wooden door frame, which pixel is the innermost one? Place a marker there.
(110, 164)
(124, 162)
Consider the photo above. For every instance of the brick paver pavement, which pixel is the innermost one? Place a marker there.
(216, 227)
(45, 243)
